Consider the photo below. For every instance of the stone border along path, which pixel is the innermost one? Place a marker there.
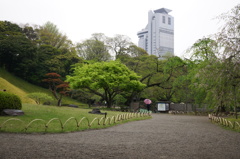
(162, 137)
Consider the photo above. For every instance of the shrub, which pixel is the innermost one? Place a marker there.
(39, 97)
(9, 101)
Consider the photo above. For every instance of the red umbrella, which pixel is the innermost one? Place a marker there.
(147, 101)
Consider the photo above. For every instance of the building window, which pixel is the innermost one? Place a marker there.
(169, 20)
(163, 19)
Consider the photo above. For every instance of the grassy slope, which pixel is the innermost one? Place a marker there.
(4, 84)
(21, 88)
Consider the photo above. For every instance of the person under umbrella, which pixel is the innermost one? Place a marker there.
(148, 103)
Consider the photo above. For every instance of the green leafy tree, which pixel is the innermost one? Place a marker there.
(105, 79)
(50, 59)
(182, 83)
(204, 74)
(135, 51)
(94, 49)
(174, 70)
(31, 32)
(17, 52)
(213, 76)
(158, 75)
(55, 52)
(204, 49)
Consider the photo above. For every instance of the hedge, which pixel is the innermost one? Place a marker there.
(9, 101)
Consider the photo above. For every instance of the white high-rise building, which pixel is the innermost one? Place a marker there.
(158, 36)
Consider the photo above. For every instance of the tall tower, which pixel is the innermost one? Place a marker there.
(157, 38)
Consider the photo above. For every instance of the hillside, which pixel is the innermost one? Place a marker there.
(4, 84)
(21, 88)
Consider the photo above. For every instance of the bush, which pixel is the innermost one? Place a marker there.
(9, 101)
(39, 97)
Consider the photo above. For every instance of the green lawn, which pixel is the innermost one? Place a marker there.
(233, 119)
(40, 115)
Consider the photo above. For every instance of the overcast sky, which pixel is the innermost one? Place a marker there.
(78, 19)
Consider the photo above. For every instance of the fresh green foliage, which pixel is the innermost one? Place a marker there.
(9, 101)
(39, 97)
(105, 79)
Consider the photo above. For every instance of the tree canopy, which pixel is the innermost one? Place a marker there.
(105, 79)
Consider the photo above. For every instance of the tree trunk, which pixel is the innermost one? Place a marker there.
(55, 94)
(130, 98)
(59, 103)
(235, 101)
(108, 105)
(109, 102)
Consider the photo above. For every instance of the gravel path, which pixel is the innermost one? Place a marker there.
(162, 137)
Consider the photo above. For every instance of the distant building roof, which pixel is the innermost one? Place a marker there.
(162, 10)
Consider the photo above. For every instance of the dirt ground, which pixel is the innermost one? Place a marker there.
(162, 137)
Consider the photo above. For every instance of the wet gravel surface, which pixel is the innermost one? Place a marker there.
(162, 137)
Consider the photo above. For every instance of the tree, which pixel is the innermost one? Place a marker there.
(6, 26)
(17, 52)
(204, 49)
(156, 73)
(204, 57)
(220, 75)
(105, 79)
(49, 34)
(50, 59)
(94, 49)
(100, 48)
(229, 40)
(135, 51)
(174, 71)
(119, 45)
(56, 85)
(204, 75)
(30, 32)
(218, 64)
